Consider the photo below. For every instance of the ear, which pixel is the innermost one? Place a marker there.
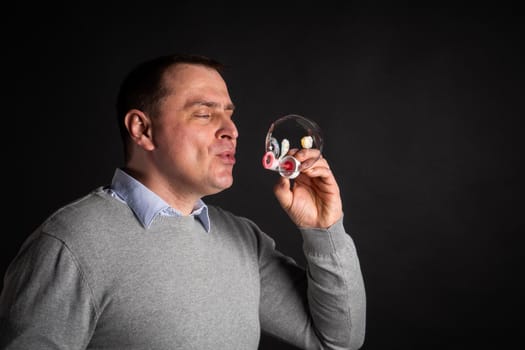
(139, 128)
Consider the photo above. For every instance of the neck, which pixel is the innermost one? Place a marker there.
(183, 202)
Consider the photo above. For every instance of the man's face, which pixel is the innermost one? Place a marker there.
(194, 135)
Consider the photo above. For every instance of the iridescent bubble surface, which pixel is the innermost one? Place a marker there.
(289, 133)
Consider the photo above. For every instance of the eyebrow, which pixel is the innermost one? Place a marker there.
(210, 104)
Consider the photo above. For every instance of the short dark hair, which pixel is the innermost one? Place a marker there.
(143, 88)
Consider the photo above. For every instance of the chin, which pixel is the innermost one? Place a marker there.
(226, 184)
(221, 184)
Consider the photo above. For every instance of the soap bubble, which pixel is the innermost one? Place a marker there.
(291, 132)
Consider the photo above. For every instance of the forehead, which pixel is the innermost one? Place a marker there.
(185, 77)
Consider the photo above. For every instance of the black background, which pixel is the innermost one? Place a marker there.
(420, 108)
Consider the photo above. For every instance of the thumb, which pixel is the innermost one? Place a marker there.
(283, 192)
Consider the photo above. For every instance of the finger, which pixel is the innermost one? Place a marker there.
(318, 171)
(321, 171)
(283, 193)
(304, 154)
(307, 157)
(310, 162)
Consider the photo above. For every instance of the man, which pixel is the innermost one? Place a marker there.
(144, 263)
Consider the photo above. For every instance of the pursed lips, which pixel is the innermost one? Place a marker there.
(227, 156)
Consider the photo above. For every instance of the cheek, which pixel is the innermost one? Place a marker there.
(189, 147)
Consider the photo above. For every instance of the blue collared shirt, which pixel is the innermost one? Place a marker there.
(146, 204)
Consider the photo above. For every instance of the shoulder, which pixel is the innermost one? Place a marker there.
(239, 227)
(89, 213)
(225, 218)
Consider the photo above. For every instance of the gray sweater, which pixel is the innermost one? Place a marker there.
(92, 277)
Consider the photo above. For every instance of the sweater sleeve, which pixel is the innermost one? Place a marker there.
(45, 303)
(322, 306)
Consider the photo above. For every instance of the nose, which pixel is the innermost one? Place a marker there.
(228, 129)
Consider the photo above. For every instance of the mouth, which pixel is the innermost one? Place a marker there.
(227, 157)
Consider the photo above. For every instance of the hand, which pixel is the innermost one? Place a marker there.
(313, 200)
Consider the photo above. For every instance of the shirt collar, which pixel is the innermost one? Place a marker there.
(146, 204)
